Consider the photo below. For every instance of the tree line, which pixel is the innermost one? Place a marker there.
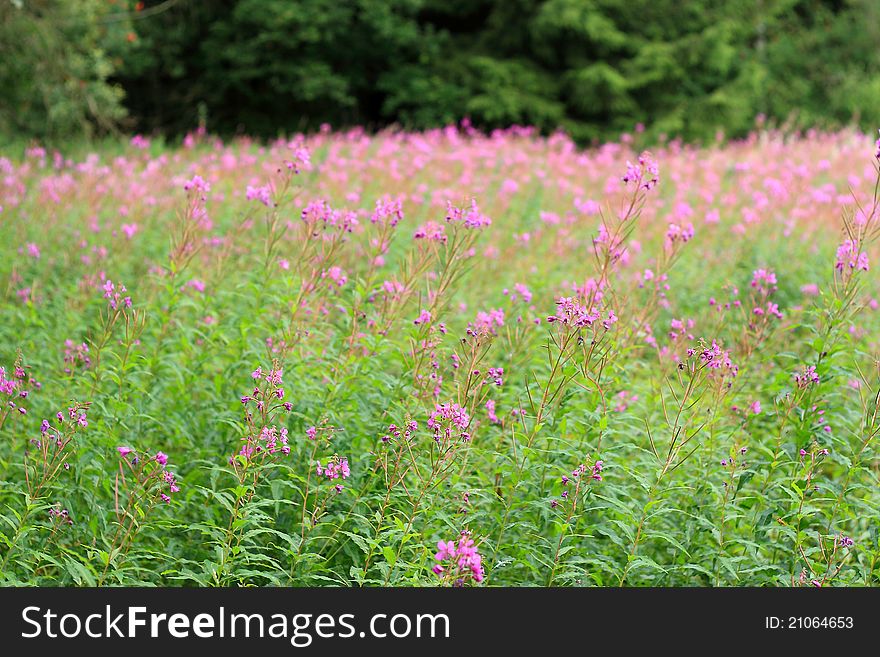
(594, 68)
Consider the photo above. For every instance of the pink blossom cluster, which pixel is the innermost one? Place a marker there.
(197, 184)
(447, 419)
(60, 516)
(270, 440)
(486, 323)
(387, 212)
(469, 216)
(848, 255)
(431, 231)
(679, 232)
(75, 356)
(459, 562)
(336, 468)
(495, 375)
(263, 194)
(716, 358)
(570, 312)
(114, 295)
(595, 473)
(140, 142)
(149, 476)
(764, 281)
(17, 388)
(396, 432)
(337, 275)
(770, 309)
(8, 386)
(490, 412)
(301, 160)
(681, 328)
(75, 414)
(623, 399)
(820, 418)
(273, 379)
(806, 377)
(520, 291)
(645, 173)
(319, 212)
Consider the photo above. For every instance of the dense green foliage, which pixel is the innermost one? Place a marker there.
(54, 68)
(592, 67)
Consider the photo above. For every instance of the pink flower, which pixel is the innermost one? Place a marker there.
(301, 158)
(140, 142)
(114, 295)
(486, 323)
(196, 284)
(197, 183)
(446, 419)
(337, 275)
(470, 217)
(445, 550)
(806, 377)
(387, 211)
(646, 173)
(848, 255)
(764, 280)
(262, 194)
(571, 312)
(337, 468)
(490, 411)
(124, 451)
(716, 359)
(677, 232)
(463, 561)
(431, 231)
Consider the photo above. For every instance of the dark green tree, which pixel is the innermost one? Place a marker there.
(55, 67)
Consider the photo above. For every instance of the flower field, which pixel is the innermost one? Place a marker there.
(441, 358)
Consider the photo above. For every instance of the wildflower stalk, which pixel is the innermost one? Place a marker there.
(870, 429)
(53, 451)
(232, 539)
(147, 478)
(396, 477)
(441, 469)
(262, 446)
(546, 398)
(679, 438)
(563, 533)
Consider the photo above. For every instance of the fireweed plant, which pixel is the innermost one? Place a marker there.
(441, 359)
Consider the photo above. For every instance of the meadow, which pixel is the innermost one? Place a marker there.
(441, 358)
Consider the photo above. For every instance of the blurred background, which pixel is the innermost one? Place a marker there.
(594, 68)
